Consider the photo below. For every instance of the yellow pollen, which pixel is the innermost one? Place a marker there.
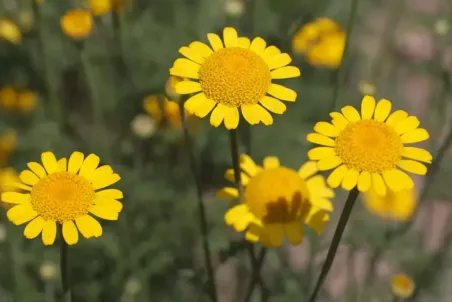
(62, 196)
(234, 77)
(277, 195)
(369, 146)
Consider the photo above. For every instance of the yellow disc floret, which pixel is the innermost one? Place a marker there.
(62, 196)
(234, 77)
(369, 146)
(277, 195)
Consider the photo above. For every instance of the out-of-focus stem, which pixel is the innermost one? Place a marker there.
(64, 267)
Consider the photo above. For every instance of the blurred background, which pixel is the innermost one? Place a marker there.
(92, 76)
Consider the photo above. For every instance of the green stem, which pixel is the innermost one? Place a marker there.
(202, 212)
(64, 266)
(340, 72)
(255, 279)
(345, 215)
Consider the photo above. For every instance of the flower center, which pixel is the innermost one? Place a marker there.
(62, 196)
(277, 195)
(369, 146)
(234, 77)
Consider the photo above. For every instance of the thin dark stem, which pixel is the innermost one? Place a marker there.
(256, 276)
(202, 212)
(345, 215)
(340, 72)
(64, 266)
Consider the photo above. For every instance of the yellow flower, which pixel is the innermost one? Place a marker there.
(77, 23)
(402, 286)
(8, 176)
(368, 149)
(169, 111)
(100, 7)
(9, 31)
(231, 75)
(8, 141)
(394, 205)
(64, 192)
(170, 87)
(328, 52)
(311, 33)
(26, 100)
(278, 200)
(8, 97)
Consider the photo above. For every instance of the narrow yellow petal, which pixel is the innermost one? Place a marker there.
(397, 180)
(187, 87)
(367, 107)
(396, 117)
(248, 165)
(187, 65)
(254, 114)
(231, 118)
(62, 165)
(336, 177)
(364, 181)
(49, 161)
(326, 129)
(316, 219)
(227, 193)
(308, 169)
(258, 45)
(192, 104)
(412, 166)
(322, 203)
(75, 161)
(294, 232)
(418, 154)
(70, 233)
(408, 125)
(234, 214)
(328, 163)
(191, 54)
(21, 213)
(270, 53)
(49, 232)
(273, 105)
(112, 204)
(378, 184)
(319, 139)
(107, 181)
(184, 73)
(215, 41)
(339, 120)
(37, 169)
(271, 162)
(253, 233)
(280, 61)
(201, 48)
(282, 93)
(243, 42)
(320, 152)
(28, 177)
(88, 226)
(104, 212)
(230, 37)
(285, 72)
(415, 136)
(350, 179)
(382, 110)
(15, 197)
(89, 165)
(110, 193)
(275, 233)
(351, 114)
(34, 228)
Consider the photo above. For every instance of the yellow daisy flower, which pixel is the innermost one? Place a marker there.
(64, 192)
(77, 23)
(394, 205)
(402, 286)
(312, 32)
(99, 7)
(278, 200)
(26, 100)
(328, 52)
(367, 149)
(234, 73)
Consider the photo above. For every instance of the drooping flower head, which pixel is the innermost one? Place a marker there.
(394, 205)
(234, 74)
(277, 201)
(66, 193)
(369, 149)
(402, 286)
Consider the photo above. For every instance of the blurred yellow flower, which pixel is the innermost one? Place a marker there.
(170, 89)
(278, 201)
(369, 149)
(8, 141)
(8, 176)
(394, 205)
(11, 98)
(77, 23)
(8, 97)
(143, 126)
(9, 31)
(64, 192)
(48, 271)
(402, 286)
(321, 41)
(26, 100)
(100, 7)
(234, 73)
(367, 87)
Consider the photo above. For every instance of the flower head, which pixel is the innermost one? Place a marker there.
(394, 205)
(26, 100)
(77, 23)
(231, 74)
(8, 97)
(367, 149)
(12, 99)
(100, 7)
(170, 87)
(64, 192)
(9, 31)
(277, 200)
(402, 286)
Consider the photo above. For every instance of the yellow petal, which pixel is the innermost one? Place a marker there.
(408, 125)
(316, 219)
(415, 136)
(378, 184)
(70, 233)
(112, 204)
(397, 180)
(254, 114)
(34, 228)
(396, 117)
(234, 214)
(21, 213)
(336, 177)
(49, 231)
(230, 175)
(275, 234)
(107, 181)
(187, 87)
(231, 119)
(248, 165)
(89, 165)
(405, 206)
(339, 120)
(351, 114)
(326, 129)
(328, 163)
(62, 165)
(364, 181)
(253, 233)
(282, 93)
(37, 169)
(182, 72)
(320, 140)
(280, 61)
(75, 161)
(88, 226)
(322, 203)
(205, 107)
(104, 212)
(318, 188)
(228, 193)
(350, 179)
(367, 107)
(49, 161)
(412, 166)
(230, 115)
(382, 110)
(201, 48)
(215, 41)
(294, 232)
(230, 37)
(273, 105)
(271, 162)
(242, 222)
(285, 72)
(258, 45)
(191, 54)
(28, 177)
(15, 198)
(270, 53)
(192, 104)
(418, 154)
(243, 42)
(320, 152)
(308, 169)
(110, 193)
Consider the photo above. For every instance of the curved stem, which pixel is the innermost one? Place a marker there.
(64, 266)
(339, 73)
(202, 211)
(345, 215)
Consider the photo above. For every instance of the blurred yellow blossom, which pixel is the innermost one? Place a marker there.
(367, 87)
(100, 7)
(8, 176)
(8, 141)
(143, 126)
(394, 205)
(26, 101)
(402, 286)
(20, 100)
(321, 41)
(9, 31)
(8, 97)
(77, 23)
(169, 87)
